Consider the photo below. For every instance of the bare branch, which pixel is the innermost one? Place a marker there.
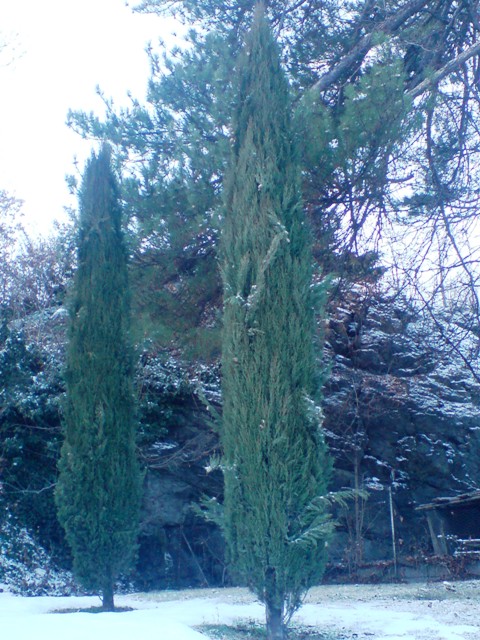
(446, 339)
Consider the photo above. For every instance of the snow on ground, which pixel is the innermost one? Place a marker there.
(381, 612)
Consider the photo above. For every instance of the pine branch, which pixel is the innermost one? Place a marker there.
(446, 70)
(351, 60)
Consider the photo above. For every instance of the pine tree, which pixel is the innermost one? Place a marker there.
(275, 464)
(98, 490)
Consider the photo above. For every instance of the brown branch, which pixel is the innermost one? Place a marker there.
(367, 42)
(446, 70)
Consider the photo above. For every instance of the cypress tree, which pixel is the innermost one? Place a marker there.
(98, 491)
(275, 463)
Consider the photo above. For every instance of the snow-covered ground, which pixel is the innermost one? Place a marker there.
(388, 612)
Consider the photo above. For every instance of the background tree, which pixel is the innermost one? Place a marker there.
(34, 270)
(11, 231)
(387, 94)
(29, 432)
(275, 464)
(99, 484)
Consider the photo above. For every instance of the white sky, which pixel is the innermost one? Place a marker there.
(62, 49)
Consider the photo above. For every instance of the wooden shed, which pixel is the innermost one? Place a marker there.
(454, 524)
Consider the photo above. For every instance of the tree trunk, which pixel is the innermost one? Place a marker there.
(107, 598)
(275, 627)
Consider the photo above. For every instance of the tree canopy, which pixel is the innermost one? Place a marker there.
(275, 464)
(98, 491)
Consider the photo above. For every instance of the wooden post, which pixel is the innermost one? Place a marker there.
(392, 524)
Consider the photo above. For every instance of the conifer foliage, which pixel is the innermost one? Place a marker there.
(276, 467)
(98, 491)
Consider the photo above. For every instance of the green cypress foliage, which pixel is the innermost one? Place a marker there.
(275, 462)
(98, 492)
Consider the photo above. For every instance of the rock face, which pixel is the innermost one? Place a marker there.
(403, 421)
(178, 547)
(401, 417)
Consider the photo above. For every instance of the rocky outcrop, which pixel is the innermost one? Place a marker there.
(178, 547)
(402, 418)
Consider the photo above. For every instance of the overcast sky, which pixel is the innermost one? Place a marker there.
(61, 50)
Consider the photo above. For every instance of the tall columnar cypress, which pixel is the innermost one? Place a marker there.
(99, 486)
(275, 467)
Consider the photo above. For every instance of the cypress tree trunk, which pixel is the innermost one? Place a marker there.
(274, 622)
(98, 491)
(275, 465)
(108, 603)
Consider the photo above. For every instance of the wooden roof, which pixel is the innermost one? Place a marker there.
(462, 500)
